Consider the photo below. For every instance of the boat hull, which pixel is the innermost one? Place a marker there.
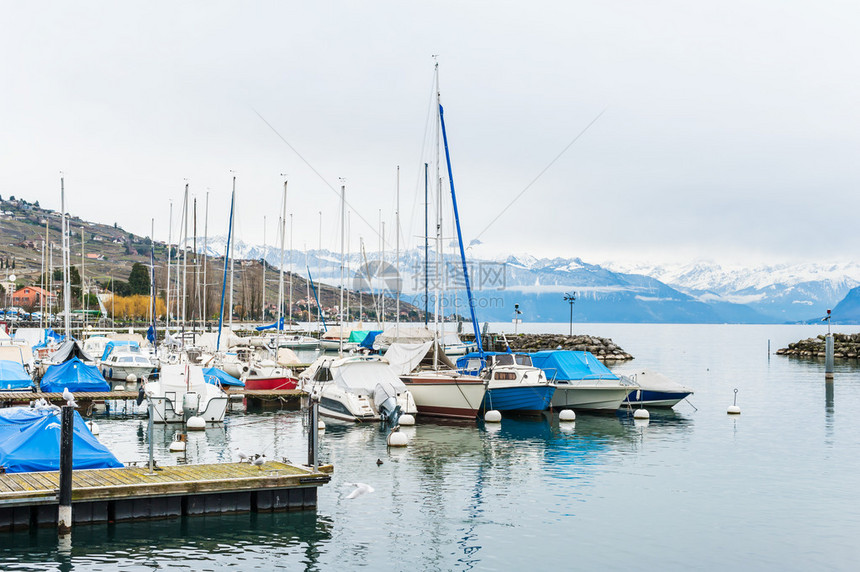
(589, 398)
(443, 396)
(521, 398)
(268, 383)
(648, 398)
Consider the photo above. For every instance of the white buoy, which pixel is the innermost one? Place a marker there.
(406, 419)
(641, 414)
(567, 415)
(93, 427)
(119, 387)
(196, 423)
(733, 408)
(492, 416)
(176, 446)
(321, 425)
(397, 439)
(131, 378)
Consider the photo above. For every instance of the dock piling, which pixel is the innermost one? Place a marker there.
(828, 357)
(313, 433)
(64, 514)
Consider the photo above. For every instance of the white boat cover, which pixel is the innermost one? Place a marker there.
(33, 336)
(405, 335)
(4, 335)
(648, 380)
(209, 340)
(286, 356)
(334, 333)
(405, 358)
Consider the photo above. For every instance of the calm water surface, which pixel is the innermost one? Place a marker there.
(773, 489)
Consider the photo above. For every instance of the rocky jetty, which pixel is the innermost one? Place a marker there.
(845, 346)
(604, 348)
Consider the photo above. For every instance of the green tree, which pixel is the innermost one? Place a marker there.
(138, 280)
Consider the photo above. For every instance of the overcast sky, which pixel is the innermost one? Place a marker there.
(731, 129)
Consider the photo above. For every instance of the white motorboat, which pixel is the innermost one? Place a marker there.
(436, 385)
(654, 390)
(513, 383)
(582, 381)
(181, 392)
(127, 363)
(357, 388)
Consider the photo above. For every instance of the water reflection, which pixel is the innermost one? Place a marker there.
(250, 541)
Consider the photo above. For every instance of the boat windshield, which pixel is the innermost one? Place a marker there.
(504, 359)
(524, 360)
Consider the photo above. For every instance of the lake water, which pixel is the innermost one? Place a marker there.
(775, 488)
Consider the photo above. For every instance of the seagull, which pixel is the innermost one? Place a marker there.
(70, 399)
(360, 489)
(258, 461)
(243, 456)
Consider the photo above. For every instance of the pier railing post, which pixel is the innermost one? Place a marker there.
(64, 516)
(828, 357)
(313, 433)
(149, 423)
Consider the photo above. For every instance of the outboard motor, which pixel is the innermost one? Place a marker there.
(385, 400)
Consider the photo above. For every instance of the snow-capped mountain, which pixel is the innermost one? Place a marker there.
(786, 292)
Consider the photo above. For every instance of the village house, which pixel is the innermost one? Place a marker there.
(31, 296)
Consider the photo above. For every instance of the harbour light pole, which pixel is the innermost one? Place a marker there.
(571, 298)
(516, 317)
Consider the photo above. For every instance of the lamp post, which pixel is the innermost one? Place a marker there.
(516, 317)
(571, 298)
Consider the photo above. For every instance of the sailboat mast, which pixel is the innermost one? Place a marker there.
(263, 301)
(232, 253)
(226, 263)
(196, 263)
(169, 254)
(83, 289)
(184, 260)
(348, 230)
(426, 249)
(205, 257)
(342, 257)
(152, 293)
(438, 273)
(283, 221)
(290, 308)
(67, 318)
(397, 254)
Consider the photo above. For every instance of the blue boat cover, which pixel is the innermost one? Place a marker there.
(369, 339)
(13, 375)
(571, 365)
(13, 419)
(277, 325)
(74, 374)
(113, 344)
(35, 446)
(220, 377)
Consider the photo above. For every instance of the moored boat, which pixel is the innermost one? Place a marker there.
(582, 381)
(513, 383)
(654, 390)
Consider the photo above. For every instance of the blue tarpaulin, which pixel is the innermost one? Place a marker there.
(277, 325)
(571, 365)
(369, 339)
(13, 419)
(75, 375)
(216, 376)
(35, 446)
(114, 344)
(13, 375)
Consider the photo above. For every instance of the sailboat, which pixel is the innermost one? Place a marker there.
(356, 388)
(438, 388)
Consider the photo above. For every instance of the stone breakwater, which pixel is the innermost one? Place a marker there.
(604, 348)
(846, 346)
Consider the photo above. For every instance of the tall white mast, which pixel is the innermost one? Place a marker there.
(290, 308)
(205, 256)
(169, 249)
(263, 302)
(319, 278)
(232, 259)
(342, 257)
(67, 318)
(184, 258)
(281, 230)
(348, 230)
(438, 276)
(397, 255)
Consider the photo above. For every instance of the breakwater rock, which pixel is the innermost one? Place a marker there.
(845, 346)
(604, 348)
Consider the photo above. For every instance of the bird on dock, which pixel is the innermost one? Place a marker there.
(70, 399)
(258, 461)
(359, 490)
(243, 456)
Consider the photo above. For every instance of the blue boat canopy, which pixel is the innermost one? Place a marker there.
(114, 344)
(220, 377)
(75, 375)
(368, 340)
(571, 365)
(34, 445)
(13, 419)
(13, 375)
(279, 325)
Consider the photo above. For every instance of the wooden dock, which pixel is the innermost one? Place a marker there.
(18, 396)
(131, 493)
